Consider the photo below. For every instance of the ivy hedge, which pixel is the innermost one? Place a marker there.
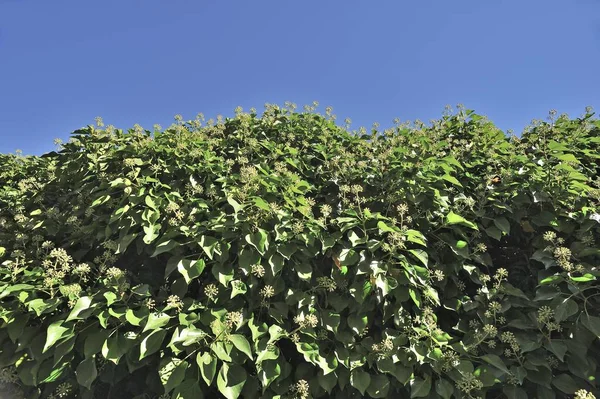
(283, 256)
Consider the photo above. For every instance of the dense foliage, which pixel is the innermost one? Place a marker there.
(282, 256)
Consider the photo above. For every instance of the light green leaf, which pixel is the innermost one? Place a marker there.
(236, 205)
(150, 202)
(452, 219)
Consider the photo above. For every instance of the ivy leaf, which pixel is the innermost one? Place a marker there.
(164, 246)
(565, 309)
(565, 383)
(495, 361)
(83, 303)
(444, 388)
(592, 323)
(208, 245)
(357, 323)
(152, 343)
(269, 370)
(190, 269)
(503, 224)
(208, 366)
(172, 372)
(56, 331)
(156, 320)
(379, 386)
(231, 380)
(258, 240)
(86, 372)
(360, 380)
(451, 179)
(421, 255)
(452, 219)
(420, 387)
(188, 389)
(241, 343)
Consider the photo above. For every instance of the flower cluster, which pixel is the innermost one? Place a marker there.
(306, 321)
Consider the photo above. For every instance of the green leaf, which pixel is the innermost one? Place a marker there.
(86, 372)
(379, 386)
(152, 343)
(495, 361)
(208, 366)
(164, 246)
(360, 380)
(56, 332)
(83, 303)
(420, 388)
(592, 323)
(135, 317)
(150, 202)
(444, 388)
(156, 320)
(269, 370)
(258, 240)
(124, 242)
(172, 373)
(503, 224)
(494, 232)
(514, 392)
(565, 383)
(357, 323)
(420, 255)
(241, 343)
(231, 380)
(452, 219)
(208, 245)
(451, 179)
(190, 269)
(236, 205)
(94, 342)
(188, 389)
(566, 309)
(415, 296)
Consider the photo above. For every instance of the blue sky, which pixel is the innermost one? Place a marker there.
(64, 62)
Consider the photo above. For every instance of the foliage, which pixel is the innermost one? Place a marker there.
(282, 256)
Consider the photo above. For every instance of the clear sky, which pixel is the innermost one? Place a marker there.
(64, 62)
